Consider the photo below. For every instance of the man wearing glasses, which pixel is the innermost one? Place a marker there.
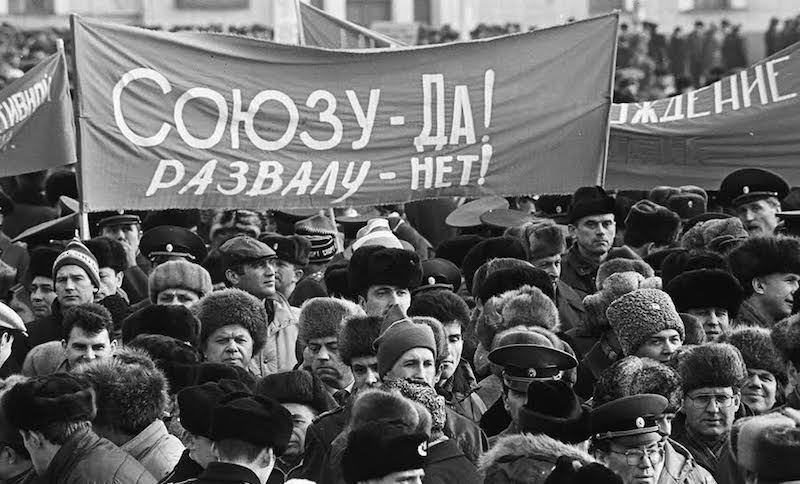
(626, 437)
(712, 375)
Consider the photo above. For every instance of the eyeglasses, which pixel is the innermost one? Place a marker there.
(634, 457)
(701, 401)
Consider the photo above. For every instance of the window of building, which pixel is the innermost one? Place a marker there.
(31, 7)
(365, 12)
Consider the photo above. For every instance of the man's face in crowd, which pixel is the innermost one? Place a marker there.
(777, 293)
(302, 417)
(416, 364)
(73, 286)
(82, 346)
(709, 411)
(42, 296)
(760, 390)
(110, 282)
(513, 400)
(257, 278)
(636, 460)
(286, 277)
(759, 217)
(326, 362)
(127, 234)
(380, 298)
(200, 449)
(715, 321)
(231, 344)
(660, 346)
(455, 346)
(365, 372)
(594, 234)
(550, 265)
(177, 296)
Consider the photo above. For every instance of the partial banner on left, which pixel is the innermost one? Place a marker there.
(37, 129)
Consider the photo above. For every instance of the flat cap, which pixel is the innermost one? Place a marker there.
(243, 248)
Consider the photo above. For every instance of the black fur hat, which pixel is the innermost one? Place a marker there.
(56, 398)
(297, 386)
(681, 261)
(758, 350)
(196, 403)
(129, 396)
(764, 255)
(715, 365)
(706, 288)
(357, 337)
(509, 279)
(232, 306)
(108, 252)
(488, 249)
(336, 280)
(322, 317)
(170, 320)
(456, 249)
(633, 375)
(42, 260)
(257, 420)
(182, 375)
(373, 265)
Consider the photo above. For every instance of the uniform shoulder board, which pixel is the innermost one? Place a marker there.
(336, 410)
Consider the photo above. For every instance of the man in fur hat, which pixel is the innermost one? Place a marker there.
(249, 433)
(712, 296)
(768, 268)
(356, 349)
(457, 382)
(54, 414)
(40, 280)
(593, 228)
(320, 321)
(178, 282)
(380, 454)
(112, 262)
(766, 371)
(712, 376)
(546, 242)
(650, 228)
(249, 265)
(786, 337)
(382, 277)
(131, 400)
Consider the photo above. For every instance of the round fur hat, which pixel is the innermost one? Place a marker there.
(179, 274)
(130, 396)
(613, 287)
(613, 266)
(499, 281)
(526, 306)
(488, 249)
(712, 365)
(56, 398)
(357, 337)
(41, 262)
(706, 288)
(322, 317)
(633, 375)
(640, 314)
(681, 261)
(297, 386)
(374, 265)
(384, 406)
(650, 222)
(758, 351)
(764, 255)
(786, 337)
(232, 307)
(108, 252)
(169, 320)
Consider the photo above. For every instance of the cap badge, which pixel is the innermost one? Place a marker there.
(422, 450)
(745, 189)
(275, 246)
(431, 280)
(655, 307)
(690, 203)
(121, 212)
(559, 209)
(169, 247)
(531, 372)
(639, 423)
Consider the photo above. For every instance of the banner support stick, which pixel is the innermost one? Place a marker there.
(336, 240)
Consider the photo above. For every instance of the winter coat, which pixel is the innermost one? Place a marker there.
(681, 468)
(279, 352)
(319, 440)
(460, 393)
(284, 471)
(748, 315)
(705, 455)
(570, 306)
(223, 472)
(156, 449)
(86, 458)
(466, 433)
(186, 468)
(446, 464)
(579, 273)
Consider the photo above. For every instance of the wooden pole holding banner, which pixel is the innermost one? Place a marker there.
(301, 36)
(83, 220)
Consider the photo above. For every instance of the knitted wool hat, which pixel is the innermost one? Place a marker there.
(56, 398)
(77, 254)
(232, 307)
(758, 351)
(179, 274)
(712, 365)
(357, 337)
(633, 375)
(322, 317)
(650, 222)
(400, 337)
(169, 320)
(640, 314)
(421, 393)
(764, 255)
(706, 288)
(323, 248)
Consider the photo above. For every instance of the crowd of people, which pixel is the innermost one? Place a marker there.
(584, 338)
